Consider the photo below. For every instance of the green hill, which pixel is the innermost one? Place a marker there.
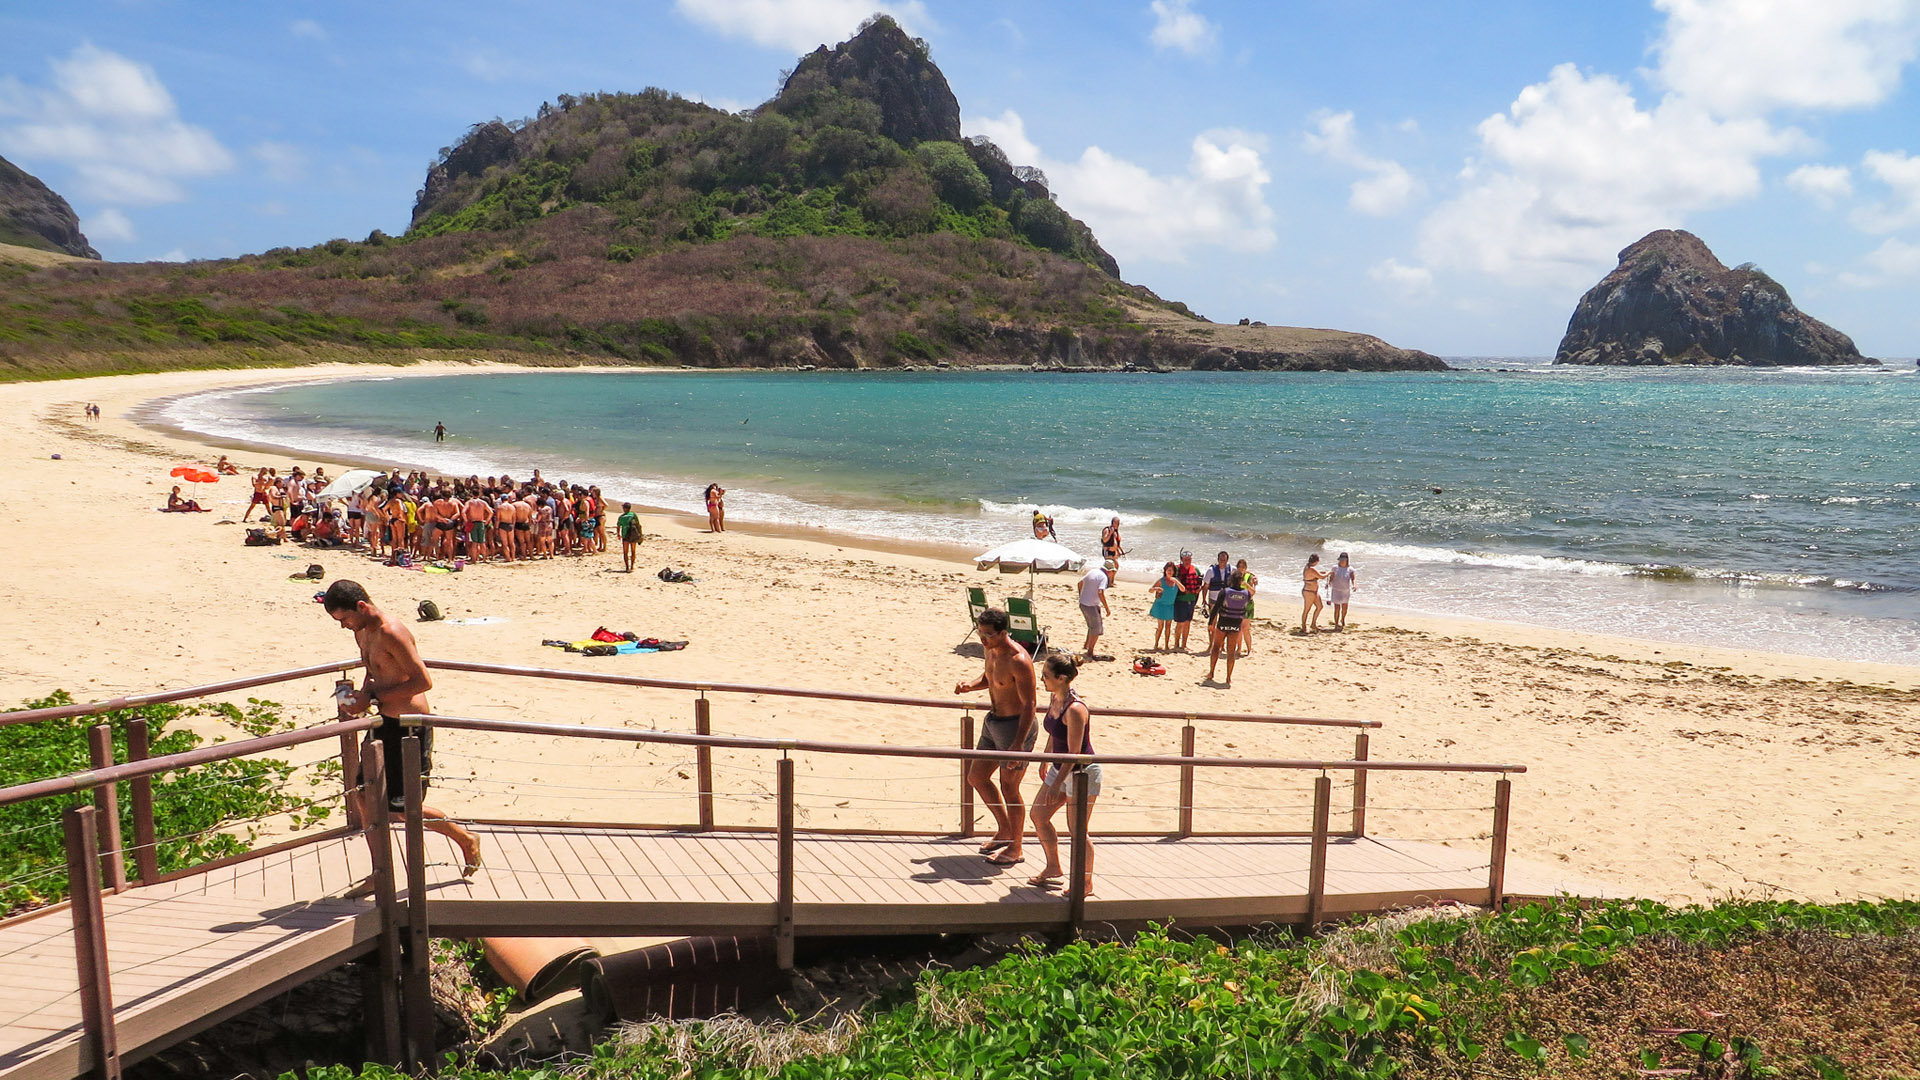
(845, 223)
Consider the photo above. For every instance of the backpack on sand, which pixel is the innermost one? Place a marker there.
(429, 611)
(315, 572)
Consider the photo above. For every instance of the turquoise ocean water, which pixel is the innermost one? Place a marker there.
(1764, 509)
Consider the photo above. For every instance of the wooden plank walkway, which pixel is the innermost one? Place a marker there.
(187, 953)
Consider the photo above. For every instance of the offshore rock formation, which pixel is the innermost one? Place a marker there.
(32, 215)
(1670, 301)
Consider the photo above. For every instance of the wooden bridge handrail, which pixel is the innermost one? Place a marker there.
(132, 770)
(746, 742)
(61, 712)
(875, 699)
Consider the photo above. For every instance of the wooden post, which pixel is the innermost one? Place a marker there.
(417, 978)
(1317, 869)
(1497, 865)
(1186, 782)
(1360, 744)
(350, 776)
(146, 850)
(90, 943)
(106, 800)
(783, 897)
(1077, 855)
(703, 759)
(387, 1007)
(966, 765)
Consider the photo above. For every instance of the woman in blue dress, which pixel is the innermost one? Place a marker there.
(1165, 591)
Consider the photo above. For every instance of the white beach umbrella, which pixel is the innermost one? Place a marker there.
(1032, 555)
(349, 482)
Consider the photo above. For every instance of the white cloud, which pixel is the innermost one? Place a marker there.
(109, 224)
(284, 162)
(112, 121)
(1900, 173)
(1824, 184)
(1386, 189)
(1177, 26)
(1748, 57)
(1219, 202)
(1576, 169)
(176, 255)
(796, 25)
(307, 28)
(1894, 259)
(1394, 272)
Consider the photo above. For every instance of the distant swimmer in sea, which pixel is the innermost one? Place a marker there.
(716, 508)
(440, 432)
(1042, 526)
(1340, 591)
(1311, 604)
(1110, 549)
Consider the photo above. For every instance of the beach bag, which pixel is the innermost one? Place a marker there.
(676, 576)
(259, 538)
(315, 572)
(429, 611)
(601, 650)
(604, 634)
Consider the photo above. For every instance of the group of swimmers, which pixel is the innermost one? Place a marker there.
(414, 517)
(1225, 593)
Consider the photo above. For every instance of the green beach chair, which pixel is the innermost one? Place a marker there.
(1024, 626)
(976, 603)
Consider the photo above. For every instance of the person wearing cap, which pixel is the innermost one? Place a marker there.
(1188, 575)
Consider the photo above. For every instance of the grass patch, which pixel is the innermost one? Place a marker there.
(1547, 990)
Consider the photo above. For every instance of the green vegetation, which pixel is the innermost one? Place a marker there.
(199, 814)
(1546, 990)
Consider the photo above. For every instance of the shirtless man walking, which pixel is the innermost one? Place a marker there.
(397, 683)
(1008, 681)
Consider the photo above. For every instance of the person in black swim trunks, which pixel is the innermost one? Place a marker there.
(397, 682)
(1011, 694)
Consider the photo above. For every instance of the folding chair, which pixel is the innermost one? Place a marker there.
(1024, 626)
(976, 603)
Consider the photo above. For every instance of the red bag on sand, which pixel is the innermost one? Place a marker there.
(604, 634)
(1146, 665)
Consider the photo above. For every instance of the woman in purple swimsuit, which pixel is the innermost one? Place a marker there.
(1068, 724)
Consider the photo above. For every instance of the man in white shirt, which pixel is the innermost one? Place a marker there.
(1093, 604)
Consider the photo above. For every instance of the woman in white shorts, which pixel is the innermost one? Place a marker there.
(1340, 591)
(1068, 723)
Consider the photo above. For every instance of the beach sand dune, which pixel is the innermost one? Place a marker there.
(1672, 771)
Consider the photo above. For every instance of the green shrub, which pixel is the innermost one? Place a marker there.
(206, 812)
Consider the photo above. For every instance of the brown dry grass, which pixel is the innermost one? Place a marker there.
(1853, 1000)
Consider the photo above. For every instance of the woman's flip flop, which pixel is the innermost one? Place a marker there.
(992, 846)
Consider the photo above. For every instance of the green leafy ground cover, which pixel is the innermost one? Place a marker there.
(203, 813)
(1545, 990)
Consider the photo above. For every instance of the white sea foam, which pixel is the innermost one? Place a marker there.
(1081, 515)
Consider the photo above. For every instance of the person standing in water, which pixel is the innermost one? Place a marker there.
(1340, 591)
(1310, 602)
(440, 431)
(1110, 549)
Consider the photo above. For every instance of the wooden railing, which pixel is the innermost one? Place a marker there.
(96, 860)
(703, 725)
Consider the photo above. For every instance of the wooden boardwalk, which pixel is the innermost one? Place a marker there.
(189, 952)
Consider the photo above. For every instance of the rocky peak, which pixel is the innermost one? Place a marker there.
(33, 215)
(1671, 301)
(484, 146)
(883, 65)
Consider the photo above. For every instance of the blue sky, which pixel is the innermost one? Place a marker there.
(1450, 176)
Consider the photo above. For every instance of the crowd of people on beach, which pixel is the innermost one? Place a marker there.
(411, 517)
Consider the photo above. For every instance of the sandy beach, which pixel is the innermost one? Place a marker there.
(1671, 771)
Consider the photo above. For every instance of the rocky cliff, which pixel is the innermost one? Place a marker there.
(1670, 301)
(32, 215)
(883, 65)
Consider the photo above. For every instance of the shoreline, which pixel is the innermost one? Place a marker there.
(1679, 772)
(147, 414)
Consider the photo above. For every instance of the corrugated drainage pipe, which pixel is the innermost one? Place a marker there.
(537, 967)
